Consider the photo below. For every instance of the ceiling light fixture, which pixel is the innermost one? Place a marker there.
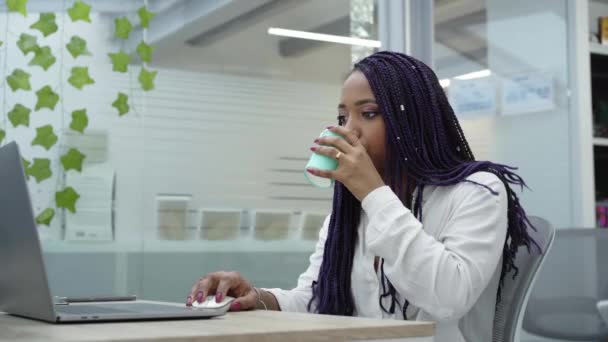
(445, 82)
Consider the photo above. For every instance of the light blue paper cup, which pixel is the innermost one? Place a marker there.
(321, 162)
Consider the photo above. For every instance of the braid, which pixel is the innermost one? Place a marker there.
(425, 146)
(335, 277)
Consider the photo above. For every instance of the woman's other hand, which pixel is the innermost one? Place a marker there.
(222, 284)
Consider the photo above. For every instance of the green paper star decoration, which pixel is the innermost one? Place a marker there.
(19, 79)
(121, 104)
(20, 115)
(45, 137)
(145, 16)
(67, 199)
(45, 217)
(80, 121)
(47, 98)
(27, 43)
(145, 51)
(44, 58)
(80, 77)
(78, 47)
(73, 160)
(17, 6)
(46, 24)
(123, 27)
(120, 61)
(40, 169)
(146, 79)
(2, 134)
(80, 11)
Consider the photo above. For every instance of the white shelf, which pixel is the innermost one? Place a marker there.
(598, 48)
(234, 246)
(600, 141)
(62, 246)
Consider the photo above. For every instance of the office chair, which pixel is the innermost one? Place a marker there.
(602, 307)
(563, 304)
(515, 292)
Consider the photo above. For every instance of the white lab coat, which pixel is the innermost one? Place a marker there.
(448, 267)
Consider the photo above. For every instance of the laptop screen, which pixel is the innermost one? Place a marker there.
(24, 289)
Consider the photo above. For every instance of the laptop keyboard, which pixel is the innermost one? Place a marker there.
(100, 309)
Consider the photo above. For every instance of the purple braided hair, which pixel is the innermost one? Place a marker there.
(426, 145)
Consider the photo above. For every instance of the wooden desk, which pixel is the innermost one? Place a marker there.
(248, 326)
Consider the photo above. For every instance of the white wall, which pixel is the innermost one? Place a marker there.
(221, 139)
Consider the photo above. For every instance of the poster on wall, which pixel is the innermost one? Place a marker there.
(527, 93)
(93, 221)
(476, 97)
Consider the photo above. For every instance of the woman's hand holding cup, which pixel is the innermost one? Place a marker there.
(354, 167)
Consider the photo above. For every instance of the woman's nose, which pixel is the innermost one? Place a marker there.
(353, 127)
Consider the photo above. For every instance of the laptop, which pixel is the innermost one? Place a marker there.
(24, 287)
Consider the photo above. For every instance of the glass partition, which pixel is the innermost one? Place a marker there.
(168, 139)
(504, 66)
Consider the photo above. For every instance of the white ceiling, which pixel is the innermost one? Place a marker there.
(244, 47)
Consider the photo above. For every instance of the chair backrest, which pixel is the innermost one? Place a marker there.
(573, 278)
(515, 292)
(602, 307)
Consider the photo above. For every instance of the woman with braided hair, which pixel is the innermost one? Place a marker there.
(418, 229)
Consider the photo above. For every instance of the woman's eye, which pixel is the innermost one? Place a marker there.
(341, 119)
(369, 115)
